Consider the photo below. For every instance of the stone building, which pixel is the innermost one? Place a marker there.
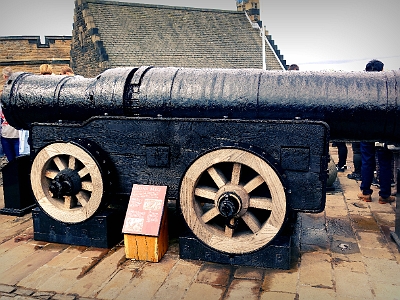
(27, 53)
(108, 34)
(251, 7)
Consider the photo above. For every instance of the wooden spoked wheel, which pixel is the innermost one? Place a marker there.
(67, 182)
(233, 201)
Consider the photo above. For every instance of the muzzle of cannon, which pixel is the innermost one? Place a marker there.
(240, 150)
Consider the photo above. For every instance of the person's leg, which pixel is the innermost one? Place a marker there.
(367, 166)
(375, 180)
(394, 170)
(1, 150)
(356, 174)
(342, 153)
(385, 171)
(16, 146)
(8, 148)
(356, 157)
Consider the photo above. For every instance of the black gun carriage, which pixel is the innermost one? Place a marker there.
(241, 150)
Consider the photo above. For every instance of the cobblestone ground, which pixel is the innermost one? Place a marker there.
(345, 252)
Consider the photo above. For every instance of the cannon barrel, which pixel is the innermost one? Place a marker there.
(356, 105)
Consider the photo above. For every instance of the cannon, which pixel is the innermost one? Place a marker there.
(241, 150)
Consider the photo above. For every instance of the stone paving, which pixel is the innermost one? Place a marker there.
(346, 252)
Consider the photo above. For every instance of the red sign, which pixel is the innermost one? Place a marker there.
(145, 209)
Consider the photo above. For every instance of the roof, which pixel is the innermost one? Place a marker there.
(133, 34)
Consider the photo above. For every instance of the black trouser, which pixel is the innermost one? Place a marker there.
(355, 146)
(342, 153)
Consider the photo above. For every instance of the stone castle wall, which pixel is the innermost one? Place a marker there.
(27, 53)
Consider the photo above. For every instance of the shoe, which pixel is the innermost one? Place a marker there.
(375, 182)
(355, 176)
(340, 169)
(365, 198)
(389, 199)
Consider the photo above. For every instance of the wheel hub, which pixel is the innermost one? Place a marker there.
(229, 205)
(66, 183)
(232, 201)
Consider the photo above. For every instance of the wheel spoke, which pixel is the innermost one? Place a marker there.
(254, 183)
(261, 203)
(251, 221)
(229, 231)
(61, 165)
(72, 162)
(236, 173)
(69, 202)
(51, 174)
(82, 198)
(209, 215)
(217, 176)
(82, 173)
(205, 192)
(87, 186)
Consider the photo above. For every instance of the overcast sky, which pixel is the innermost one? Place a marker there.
(315, 34)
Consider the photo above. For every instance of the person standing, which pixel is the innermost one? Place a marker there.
(9, 135)
(342, 154)
(356, 174)
(5, 73)
(67, 71)
(45, 69)
(368, 165)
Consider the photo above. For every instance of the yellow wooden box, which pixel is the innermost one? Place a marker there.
(148, 248)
